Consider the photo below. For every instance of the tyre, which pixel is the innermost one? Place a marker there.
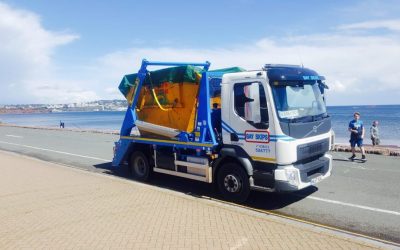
(233, 182)
(139, 166)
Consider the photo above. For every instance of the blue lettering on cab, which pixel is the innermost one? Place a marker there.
(257, 136)
(310, 77)
(263, 149)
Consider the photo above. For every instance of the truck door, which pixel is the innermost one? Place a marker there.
(246, 120)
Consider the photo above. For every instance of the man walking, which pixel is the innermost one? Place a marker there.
(357, 132)
(374, 130)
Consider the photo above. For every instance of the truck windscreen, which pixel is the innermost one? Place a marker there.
(298, 101)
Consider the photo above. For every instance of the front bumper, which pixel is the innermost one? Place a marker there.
(298, 176)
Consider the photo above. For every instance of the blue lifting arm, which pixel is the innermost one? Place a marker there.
(122, 146)
(130, 116)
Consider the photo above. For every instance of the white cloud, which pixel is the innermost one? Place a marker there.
(113, 93)
(361, 69)
(27, 72)
(393, 25)
(372, 9)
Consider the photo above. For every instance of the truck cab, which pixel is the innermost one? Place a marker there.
(277, 119)
(265, 129)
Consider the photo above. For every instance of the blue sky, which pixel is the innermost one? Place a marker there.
(71, 51)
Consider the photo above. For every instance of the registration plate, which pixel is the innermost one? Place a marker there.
(316, 179)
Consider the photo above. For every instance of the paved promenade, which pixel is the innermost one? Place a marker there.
(44, 205)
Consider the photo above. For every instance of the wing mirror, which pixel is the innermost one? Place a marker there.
(252, 103)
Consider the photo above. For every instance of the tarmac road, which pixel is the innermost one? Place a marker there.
(358, 197)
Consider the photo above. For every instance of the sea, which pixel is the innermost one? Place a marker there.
(387, 115)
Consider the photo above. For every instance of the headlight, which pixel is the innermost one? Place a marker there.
(292, 175)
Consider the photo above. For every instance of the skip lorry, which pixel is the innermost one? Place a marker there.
(265, 129)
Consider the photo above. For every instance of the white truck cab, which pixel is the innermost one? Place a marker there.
(280, 124)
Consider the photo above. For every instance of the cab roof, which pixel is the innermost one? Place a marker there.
(283, 72)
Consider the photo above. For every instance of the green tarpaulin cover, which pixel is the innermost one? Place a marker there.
(179, 74)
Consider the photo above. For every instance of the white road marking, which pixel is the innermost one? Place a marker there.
(15, 136)
(358, 167)
(354, 205)
(362, 168)
(308, 197)
(55, 151)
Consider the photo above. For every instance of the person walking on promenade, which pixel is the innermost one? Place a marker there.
(357, 132)
(374, 130)
(216, 118)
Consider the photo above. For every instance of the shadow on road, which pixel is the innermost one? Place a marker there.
(258, 200)
(274, 201)
(345, 160)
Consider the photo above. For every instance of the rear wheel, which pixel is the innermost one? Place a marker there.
(139, 166)
(233, 182)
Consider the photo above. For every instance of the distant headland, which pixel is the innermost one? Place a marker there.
(100, 105)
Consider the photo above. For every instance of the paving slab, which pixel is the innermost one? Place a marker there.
(46, 205)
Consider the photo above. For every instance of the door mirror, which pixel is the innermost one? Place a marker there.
(252, 103)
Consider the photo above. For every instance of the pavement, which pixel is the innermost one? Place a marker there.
(46, 205)
(359, 197)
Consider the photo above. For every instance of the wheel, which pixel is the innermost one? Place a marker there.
(233, 182)
(139, 166)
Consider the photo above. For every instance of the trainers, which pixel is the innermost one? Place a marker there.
(352, 157)
(363, 157)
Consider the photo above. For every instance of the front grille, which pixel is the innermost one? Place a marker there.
(318, 166)
(315, 171)
(311, 149)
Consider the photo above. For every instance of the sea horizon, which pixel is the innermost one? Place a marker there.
(339, 105)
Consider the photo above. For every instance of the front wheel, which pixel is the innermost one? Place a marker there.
(139, 166)
(233, 182)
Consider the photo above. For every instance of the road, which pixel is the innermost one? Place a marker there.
(358, 197)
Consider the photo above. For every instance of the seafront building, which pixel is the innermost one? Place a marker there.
(99, 105)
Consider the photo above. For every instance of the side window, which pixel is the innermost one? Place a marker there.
(263, 106)
(241, 101)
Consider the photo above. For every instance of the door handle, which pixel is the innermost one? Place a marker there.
(234, 137)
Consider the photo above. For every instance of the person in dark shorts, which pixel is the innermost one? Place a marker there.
(357, 132)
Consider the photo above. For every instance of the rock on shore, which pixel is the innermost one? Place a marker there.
(379, 150)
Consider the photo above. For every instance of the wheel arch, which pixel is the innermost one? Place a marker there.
(146, 149)
(233, 154)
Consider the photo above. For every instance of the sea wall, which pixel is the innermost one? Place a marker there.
(379, 150)
(115, 132)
